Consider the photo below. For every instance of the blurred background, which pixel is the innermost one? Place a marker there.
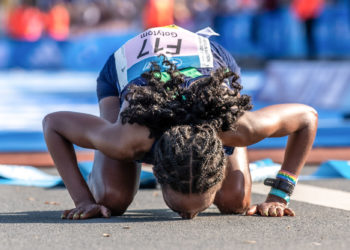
(254, 31)
(289, 51)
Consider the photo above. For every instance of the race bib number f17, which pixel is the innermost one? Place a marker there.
(182, 47)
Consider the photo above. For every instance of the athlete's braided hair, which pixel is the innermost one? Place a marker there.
(186, 116)
(189, 159)
(160, 105)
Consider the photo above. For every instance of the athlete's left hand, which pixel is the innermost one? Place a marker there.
(273, 206)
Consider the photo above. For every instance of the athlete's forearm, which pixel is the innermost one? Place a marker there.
(63, 155)
(299, 123)
(80, 129)
(273, 121)
(299, 145)
(89, 131)
(298, 148)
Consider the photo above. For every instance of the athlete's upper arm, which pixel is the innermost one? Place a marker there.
(132, 140)
(109, 108)
(119, 141)
(272, 121)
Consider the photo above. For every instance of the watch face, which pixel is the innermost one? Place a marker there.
(280, 184)
(285, 186)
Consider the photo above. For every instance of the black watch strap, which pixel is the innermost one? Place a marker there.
(280, 184)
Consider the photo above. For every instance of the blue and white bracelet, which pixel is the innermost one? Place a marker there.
(281, 194)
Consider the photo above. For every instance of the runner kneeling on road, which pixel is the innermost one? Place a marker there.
(183, 113)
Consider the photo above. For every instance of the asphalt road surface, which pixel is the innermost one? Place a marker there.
(30, 219)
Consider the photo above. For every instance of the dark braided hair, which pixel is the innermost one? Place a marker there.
(160, 105)
(189, 159)
(186, 121)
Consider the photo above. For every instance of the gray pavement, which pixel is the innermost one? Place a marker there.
(30, 219)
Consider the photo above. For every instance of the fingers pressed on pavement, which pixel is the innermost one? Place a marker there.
(272, 211)
(65, 214)
(71, 214)
(261, 212)
(77, 213)
(289, 212)
(252, 210)
(265, 211)
(92, 212)
(279, 211)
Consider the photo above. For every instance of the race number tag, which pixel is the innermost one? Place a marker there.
(182, 47)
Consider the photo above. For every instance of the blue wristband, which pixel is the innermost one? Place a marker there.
(280, 194)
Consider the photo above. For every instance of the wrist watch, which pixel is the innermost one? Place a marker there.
(280, 184)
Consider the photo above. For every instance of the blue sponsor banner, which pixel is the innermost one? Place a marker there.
(320, 84)
(238, 33)
(85, 53)
(89, 53)
(332, 31)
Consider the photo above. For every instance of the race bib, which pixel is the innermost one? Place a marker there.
(182, 47)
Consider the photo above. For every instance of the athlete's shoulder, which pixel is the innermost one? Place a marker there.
(226, 57)
(107, 79)
(109, 67)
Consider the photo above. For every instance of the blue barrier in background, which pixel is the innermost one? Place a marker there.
(5, 51)
(91, 52)
(280, 34)
(237, 33)
(43, 54)
(332, 31)
(86, 53)
(275, 33)
(322, 84)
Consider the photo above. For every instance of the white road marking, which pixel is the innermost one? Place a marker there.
(313, 195)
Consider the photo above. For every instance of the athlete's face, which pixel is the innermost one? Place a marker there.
(188, 205)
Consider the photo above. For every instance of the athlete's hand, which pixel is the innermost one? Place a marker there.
(86, 212)
(273, 206)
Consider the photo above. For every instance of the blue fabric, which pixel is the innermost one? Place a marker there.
(333, 169)
(328, 169)
(30, 176)
(147, 179)
(27, 176)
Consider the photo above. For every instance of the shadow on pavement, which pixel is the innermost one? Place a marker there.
(131, 216)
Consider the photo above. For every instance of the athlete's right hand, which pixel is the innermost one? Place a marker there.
(86, 212)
